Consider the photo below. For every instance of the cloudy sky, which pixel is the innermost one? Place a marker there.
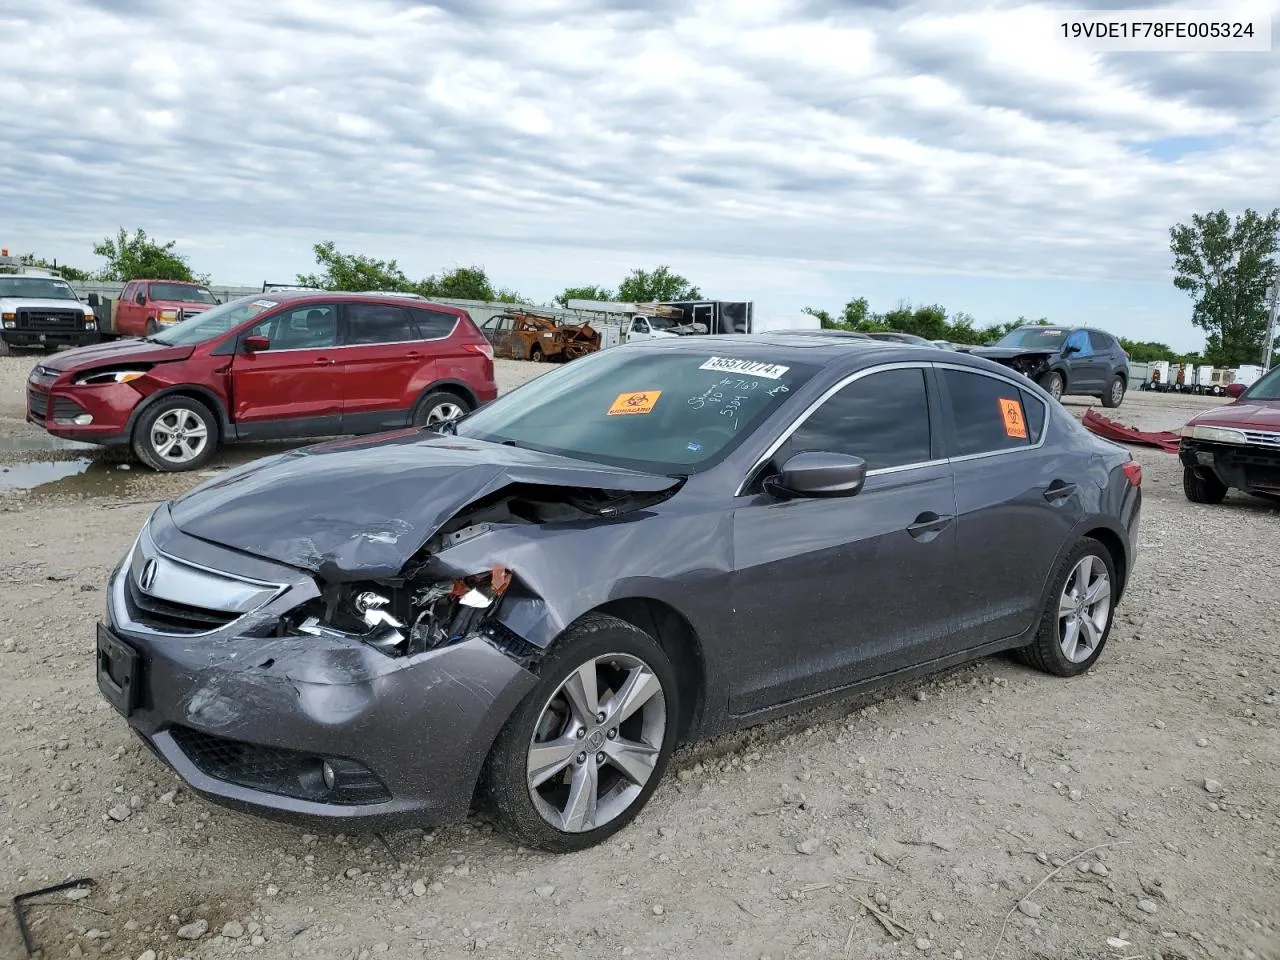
(794, 152)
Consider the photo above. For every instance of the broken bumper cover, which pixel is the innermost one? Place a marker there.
(1253, 468)
(316, 730)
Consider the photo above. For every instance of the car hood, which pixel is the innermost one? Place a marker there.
(1008, 353)
(1242, 414)
(29, 303)
(356, 509)
(114, 351)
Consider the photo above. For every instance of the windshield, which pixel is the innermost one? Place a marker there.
(660, 411)
(214, 322)
(1035, 338)
(182, 292)
(1268, 388)
(36, 288)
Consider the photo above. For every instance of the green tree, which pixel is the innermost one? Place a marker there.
(589, 292)
(660, 284)
(68, 273)
(1227, 266)
(353, 271)
(140, 258)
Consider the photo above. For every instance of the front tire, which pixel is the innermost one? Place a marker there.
(1053, 384)
(1202, 487)
(585, 750)
(174, 434)
(1077, 617)
(536, 354)
(1115, 393)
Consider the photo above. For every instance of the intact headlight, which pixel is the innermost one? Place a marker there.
(1214, 434)
(109, 376)
(169, 316)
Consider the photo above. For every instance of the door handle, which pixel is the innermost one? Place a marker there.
(413, 355)
(323, 362)
(927, 523)
(1059, 490)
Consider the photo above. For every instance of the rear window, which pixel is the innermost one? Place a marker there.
(432, 324)
(990, 414)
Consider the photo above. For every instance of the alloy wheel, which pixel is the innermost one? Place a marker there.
(179, 435)
(1117, 391)
(596, 743)
(443, 412)
(1083, 609)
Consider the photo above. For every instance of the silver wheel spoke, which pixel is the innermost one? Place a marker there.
(580, 812)
(1067, 605)
(548, 759)
(1101, 590)
(581, 691)
(633, 760)
(1071, 637)
(640, 685)
(1090, 633)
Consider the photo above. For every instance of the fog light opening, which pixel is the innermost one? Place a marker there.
(349, 782)
(83, 420)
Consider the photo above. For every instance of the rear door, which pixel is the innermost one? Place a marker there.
(828, 592)
(382, 358)
(1016, 500)
(1109, 355)
(293, 388)
(1083, 363)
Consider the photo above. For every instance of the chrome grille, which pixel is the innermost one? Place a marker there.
(34, 319)
(1263, 438)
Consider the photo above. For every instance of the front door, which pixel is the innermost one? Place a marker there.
(829, 592)
(384, 355)
(294, 387)
(1016, 504)
(128, 313)
(499, 331)
(639, 329)
(1083, 363)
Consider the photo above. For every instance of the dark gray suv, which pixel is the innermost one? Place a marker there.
(1075, 360)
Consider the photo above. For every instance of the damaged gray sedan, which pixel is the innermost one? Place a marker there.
(529, 608)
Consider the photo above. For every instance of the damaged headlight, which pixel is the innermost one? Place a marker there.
(401, 617)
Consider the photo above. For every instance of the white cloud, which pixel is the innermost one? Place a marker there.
(571, 139)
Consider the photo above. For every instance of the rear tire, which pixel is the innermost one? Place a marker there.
(439, 406)
(1202, 488)
(1077, 617)
(536, 354)
(1053, 384)
(152, 328)
(622, 757)
(1115, 392)
(174, 434)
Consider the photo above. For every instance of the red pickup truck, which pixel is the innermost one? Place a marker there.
(148, 306)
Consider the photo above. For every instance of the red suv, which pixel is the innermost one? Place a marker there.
(287, 364)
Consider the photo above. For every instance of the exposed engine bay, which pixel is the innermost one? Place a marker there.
(430, 605)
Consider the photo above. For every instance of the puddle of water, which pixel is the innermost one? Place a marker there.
(24, 476)
(42, 443)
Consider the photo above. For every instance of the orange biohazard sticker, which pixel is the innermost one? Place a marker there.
(1014, 425)
(641, 402)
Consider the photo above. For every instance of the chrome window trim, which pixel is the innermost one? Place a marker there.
(348, 346)
(831, 391)
(902, 365)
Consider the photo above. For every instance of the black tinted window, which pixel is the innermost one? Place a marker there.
(378, 323)
(989, 413)
(1034, 410)
(882, 418)
(432, 325)
(1099, 341)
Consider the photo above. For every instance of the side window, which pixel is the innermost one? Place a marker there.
(126, 295)
(882, 418)
(370, 323)
(432, 325)
(311, 327)
(1033, 408)
(1079, 339)
(989, 414)
(1100, 342)
(639, 325)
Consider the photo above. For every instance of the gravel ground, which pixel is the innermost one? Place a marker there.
(947, 805)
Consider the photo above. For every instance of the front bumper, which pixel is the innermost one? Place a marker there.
(108, 408)
(1248, 467)
(68, 337)
(247, 719)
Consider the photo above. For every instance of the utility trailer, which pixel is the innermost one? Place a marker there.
(619, 322)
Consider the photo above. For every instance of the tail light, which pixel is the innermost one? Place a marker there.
(485, 349)
(1133, 470)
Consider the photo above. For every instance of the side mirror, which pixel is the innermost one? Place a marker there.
(1235, 389)
(217, 300)
(140, 299)
(256, 344)
(1070, 348)
(92, 299)
(820, 474)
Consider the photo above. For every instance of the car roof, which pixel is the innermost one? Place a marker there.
(183, 283)
(387, 296)
(806, 347)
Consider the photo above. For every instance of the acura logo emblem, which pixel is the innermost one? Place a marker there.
(148, 575)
